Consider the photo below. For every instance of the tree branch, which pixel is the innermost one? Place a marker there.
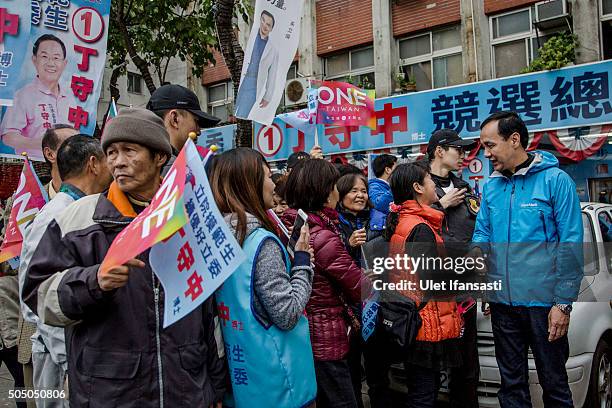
(140, 63)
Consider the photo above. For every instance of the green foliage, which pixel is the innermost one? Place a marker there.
(160, 30)
(556, 53)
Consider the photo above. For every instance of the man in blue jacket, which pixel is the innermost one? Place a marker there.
(379, 192)
(530, 221)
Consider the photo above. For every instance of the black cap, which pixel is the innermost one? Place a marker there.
(295, 158)
(447, 137)
(173, 96)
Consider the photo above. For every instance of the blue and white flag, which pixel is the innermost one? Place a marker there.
(197, 259)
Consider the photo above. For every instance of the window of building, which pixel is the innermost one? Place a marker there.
(220, 98)
(292, 73)
(515, 40)
(355, 66)
(433, 59)
(134, 83)
(606, 28)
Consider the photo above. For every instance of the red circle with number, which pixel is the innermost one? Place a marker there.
(475, 166)
(274, 141)
(92, 27)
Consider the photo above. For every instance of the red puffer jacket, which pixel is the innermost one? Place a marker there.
(335, 273)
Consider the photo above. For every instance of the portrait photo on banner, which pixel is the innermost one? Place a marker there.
(59, 80)
(269, 53)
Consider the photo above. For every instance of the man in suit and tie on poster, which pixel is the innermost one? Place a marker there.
(259, 77)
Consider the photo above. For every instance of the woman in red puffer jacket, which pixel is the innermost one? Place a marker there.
(337, 280)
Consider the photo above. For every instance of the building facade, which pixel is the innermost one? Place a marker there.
(396, 46)
(433, 43)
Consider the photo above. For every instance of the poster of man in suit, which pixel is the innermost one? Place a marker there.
(268, 56)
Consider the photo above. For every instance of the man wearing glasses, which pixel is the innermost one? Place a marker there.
(446, 151)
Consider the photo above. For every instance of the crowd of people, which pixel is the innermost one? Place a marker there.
(99, 333)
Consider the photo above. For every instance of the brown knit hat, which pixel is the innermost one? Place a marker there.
(136, 125)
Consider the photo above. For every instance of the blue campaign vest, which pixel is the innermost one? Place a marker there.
(268, 367)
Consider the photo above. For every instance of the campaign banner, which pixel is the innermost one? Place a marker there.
(162, 218)
(60, 77)
(29, 198)
(196, 260)
(14, 33)
(341, 103)
(269, 53)
(565, 98)
(222, 137)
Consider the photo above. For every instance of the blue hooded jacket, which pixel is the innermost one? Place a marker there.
(380, 195)
(531, 224)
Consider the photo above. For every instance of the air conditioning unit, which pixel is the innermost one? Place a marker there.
(550, 10)
(296, 91)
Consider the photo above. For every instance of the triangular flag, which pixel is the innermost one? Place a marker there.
(29, 198)
(112, 110)
(299, 120)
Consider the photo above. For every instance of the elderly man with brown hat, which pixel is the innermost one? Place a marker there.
(119, 355)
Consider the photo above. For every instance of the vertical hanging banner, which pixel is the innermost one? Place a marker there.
(60, 77)
(269, 53)
(14, 34)
(196, 260)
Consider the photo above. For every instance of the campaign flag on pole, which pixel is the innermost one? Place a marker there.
(301, 120)
(196, 260)
(341, 103)
(162, 218)
(58, 79)
(112, 110)
(29, 198)
(269, 53)
(14, 30)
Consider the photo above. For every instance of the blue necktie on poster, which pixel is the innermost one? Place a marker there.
(197, 259)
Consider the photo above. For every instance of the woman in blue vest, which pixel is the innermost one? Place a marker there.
(261, 306)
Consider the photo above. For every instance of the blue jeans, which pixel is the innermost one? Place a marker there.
(515, 329)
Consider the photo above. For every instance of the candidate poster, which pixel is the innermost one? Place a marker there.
(14, 32)
(60, 77)
(269, 53)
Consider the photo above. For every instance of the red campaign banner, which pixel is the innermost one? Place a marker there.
(162, 218)
(344, 104)
(29, 198)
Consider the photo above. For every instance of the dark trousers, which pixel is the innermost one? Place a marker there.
(515, 329)
(423, 386)
(354, 362)
(377, 364)
(463, 384)
(334, 385)
(8, 356)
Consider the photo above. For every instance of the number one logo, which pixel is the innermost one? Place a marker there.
(269, 134)
(86, 17)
